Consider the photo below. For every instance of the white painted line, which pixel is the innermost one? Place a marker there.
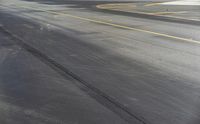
(183, 2)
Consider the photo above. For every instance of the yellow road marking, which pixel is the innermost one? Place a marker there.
(153, 4)
(153, 13)
(102, 6)
(167, 13)
(116, 5)
(118, 26)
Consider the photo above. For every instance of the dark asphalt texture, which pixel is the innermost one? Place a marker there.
(63, 71)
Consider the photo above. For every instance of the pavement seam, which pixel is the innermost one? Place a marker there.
(115, 106)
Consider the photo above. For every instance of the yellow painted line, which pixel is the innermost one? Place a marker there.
(153, 4)
(117, 5)
(117, 25)
(140, 12)
(165, 13)
(177, 17)
(154, 13)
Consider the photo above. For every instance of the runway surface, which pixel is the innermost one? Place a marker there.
(68, 62)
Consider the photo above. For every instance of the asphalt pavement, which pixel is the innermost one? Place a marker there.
(68, 62)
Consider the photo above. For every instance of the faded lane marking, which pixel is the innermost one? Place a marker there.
(117, 5)
(183, 3)
(153, 4)
(167, 14)
(116, 25)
